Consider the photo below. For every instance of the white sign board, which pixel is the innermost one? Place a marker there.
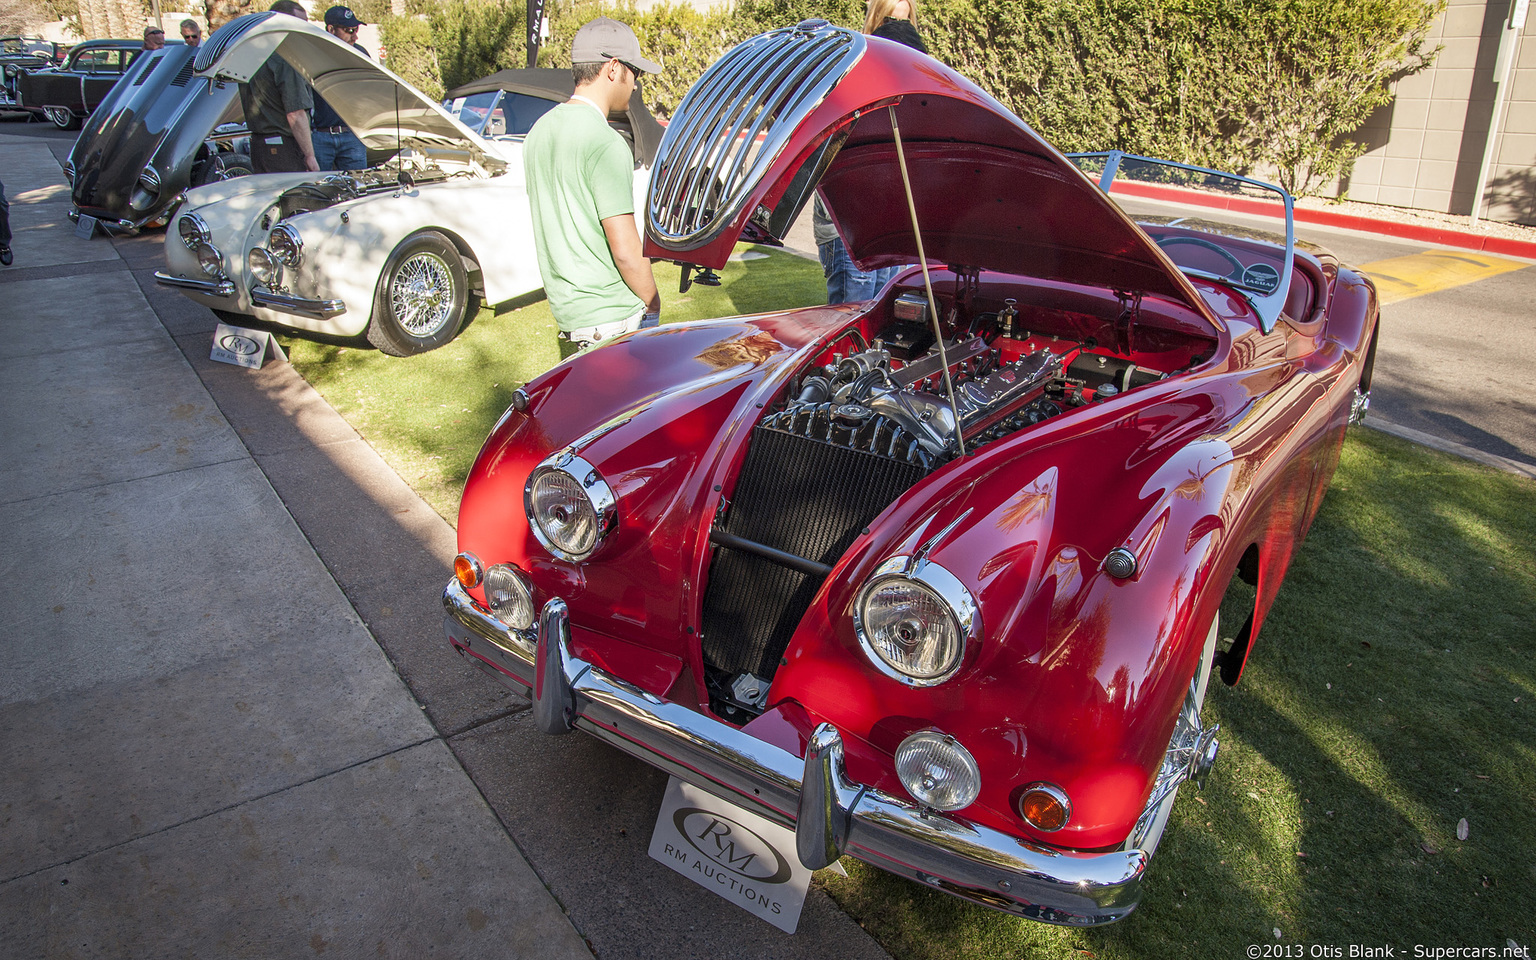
(747, 859)
(243, 347)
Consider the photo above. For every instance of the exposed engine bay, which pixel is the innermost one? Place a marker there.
(873, 417)
(336, 188)
(890, 397)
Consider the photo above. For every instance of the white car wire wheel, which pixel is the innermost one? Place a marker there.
(422, 298)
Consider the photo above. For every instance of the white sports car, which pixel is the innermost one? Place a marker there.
(402, 252)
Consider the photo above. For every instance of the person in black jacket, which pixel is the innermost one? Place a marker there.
(893, 20)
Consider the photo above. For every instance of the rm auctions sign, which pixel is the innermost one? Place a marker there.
(743, 857)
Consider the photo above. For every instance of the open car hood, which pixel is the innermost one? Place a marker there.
(380, 107)
(805, 107)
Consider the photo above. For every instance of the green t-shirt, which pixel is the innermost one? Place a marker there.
(579, 172)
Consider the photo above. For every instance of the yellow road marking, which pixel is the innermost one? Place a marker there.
(1402, 278)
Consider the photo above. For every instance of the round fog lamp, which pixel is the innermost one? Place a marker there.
(264, 267)
(938, 772)
(509, 596)
(1045, 807)
(209, 258)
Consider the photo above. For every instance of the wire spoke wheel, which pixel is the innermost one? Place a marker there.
(421, 294)
(422, 298)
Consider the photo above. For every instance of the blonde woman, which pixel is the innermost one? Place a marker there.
(893, 20)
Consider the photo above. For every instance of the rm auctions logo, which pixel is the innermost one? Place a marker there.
(239, 346)
(733, 846)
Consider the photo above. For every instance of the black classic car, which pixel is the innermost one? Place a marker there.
(67, 94)
(158, 133)
(20, 54)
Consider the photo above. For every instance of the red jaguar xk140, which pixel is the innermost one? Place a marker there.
(934, 579)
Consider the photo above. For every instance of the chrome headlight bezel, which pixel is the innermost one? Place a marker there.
(964, 617)
(209, 259)
(599, 497)
(285, 243)
(193, 230)
(265, 268)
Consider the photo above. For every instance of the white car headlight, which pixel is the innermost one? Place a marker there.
(193, 230)
(509, 596)
(914, 619)
(210, 259)
(265, 268)
(938, 772)
(286, 244)
(572, 509)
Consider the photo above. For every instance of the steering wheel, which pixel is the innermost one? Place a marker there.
(1225, 254)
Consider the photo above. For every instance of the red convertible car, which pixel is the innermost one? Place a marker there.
(934, 579)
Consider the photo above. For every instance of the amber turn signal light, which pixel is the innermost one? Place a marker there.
(467, 569)
(1045, 807)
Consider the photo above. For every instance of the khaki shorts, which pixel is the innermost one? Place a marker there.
(592, 336)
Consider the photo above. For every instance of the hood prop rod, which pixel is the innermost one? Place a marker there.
(933, 307)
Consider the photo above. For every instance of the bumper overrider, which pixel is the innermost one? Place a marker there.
(830, 814)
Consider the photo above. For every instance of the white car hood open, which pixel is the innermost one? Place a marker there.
(381, 108)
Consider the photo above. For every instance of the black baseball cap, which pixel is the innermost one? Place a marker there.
(343, 17)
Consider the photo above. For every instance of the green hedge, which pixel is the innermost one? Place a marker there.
(1273, 88)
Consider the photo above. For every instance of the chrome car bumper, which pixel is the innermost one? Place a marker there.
(830, 814)
(298, 306)
(213, 288)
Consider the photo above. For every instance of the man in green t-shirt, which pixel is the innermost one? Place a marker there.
(580, 176)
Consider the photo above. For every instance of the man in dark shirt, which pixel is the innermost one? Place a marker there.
(277, 103)
(336, 146)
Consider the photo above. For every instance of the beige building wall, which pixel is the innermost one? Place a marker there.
(1427, 146)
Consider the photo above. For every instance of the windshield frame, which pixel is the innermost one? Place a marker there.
(1266, 305)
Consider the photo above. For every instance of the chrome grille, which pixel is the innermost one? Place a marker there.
(735, 121)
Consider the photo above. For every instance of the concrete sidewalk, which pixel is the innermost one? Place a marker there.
(203, 749)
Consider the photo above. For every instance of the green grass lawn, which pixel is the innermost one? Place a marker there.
(1391, 693)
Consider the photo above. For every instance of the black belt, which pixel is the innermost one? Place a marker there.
(332, 130)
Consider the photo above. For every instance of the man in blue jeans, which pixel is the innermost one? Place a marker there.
(336, 146)
(846, 283)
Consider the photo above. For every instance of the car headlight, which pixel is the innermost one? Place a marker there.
(69, 169)
(509, 596)
(914, 619)
(286, 244)
(572, 509)
(210, 259)
(265, 267)
(938, 772)
(150, 180)
(193, 230)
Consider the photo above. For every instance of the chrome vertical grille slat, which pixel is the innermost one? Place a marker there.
(691, 139)
(710, 159)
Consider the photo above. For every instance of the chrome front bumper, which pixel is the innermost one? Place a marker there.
(298, 306)
(213, 288)
(830, 814)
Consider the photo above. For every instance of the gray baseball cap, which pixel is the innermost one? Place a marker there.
(601, 40)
